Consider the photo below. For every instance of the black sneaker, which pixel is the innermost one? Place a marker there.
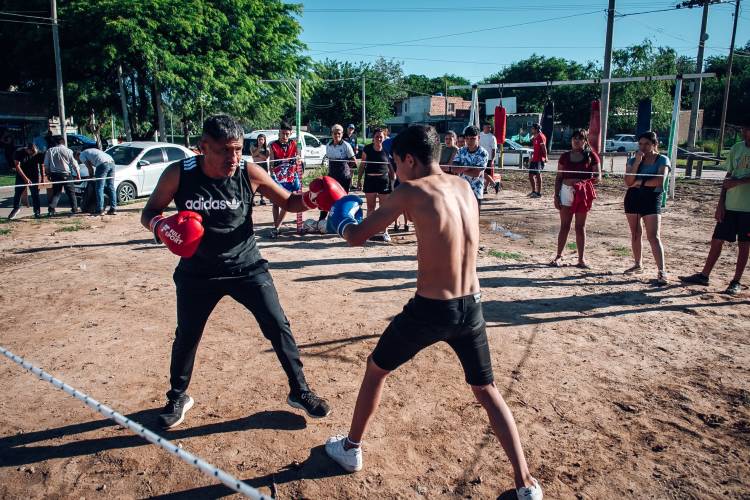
(734, 288)
(497, 187)
(111, 211)
(695, 279)
(174, 412)
(314, 406)
(14, 213)
(37, 215)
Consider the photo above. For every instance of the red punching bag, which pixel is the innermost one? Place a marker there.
(595, 127)
(500, 122)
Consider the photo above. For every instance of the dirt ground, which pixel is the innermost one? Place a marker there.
(620, 389)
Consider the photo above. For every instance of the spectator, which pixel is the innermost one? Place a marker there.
(379, 176)
(461, 141)
(284, 170)
(341, 160)
(473, 158)
(448, 152)
(260, 154)
(29, 171)
(59, 164)
(103, 167)
(351, 138)
(538, 157)
(488, 141)
(644, 177)
(387, 143)
(732, 216)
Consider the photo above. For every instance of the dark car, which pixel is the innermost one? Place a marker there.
(76, 142)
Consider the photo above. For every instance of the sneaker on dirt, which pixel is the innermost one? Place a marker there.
(533, 492)
(350, 460)
(314, 406)
(14, 213)
(734, 288)
(174, 412)
(695, 279)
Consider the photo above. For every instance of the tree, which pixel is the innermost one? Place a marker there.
(713, 88)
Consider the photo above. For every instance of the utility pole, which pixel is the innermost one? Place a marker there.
(445, 114)
(124, 103)
(364, 113)
(692, 130)
(58, 72)
(728, 80)
(607, 73)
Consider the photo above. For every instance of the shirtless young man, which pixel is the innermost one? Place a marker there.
(447, 304)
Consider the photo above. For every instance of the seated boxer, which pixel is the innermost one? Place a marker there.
(446, 306)
(213, 233)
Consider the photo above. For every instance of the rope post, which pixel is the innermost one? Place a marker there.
(674, 134)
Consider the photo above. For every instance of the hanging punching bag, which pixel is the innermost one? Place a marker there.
(500, 122)
(595, 126)
(548, 122)
(644, 116)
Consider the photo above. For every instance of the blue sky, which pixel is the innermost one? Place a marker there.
(363, 31)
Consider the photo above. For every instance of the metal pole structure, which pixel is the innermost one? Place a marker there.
(597, 81)
(674, 134)
(300, 150)
(171, 126)
(606, 74)
(114, 135)
(124, 102)
(364, 113)
(445, 114)
(58, 72)
(692, 131)
(728, 81)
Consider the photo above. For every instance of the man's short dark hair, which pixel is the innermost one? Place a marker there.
(223, 128)
(536, 126)
(420, 141)
(471, 131)
(57, 140)
(285, 126)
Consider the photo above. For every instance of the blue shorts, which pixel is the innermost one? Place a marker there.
(293, 186)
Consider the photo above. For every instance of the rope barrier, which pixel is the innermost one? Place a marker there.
(84, 179)
(206, 468)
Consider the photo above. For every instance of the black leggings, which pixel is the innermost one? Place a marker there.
(197, 297)
(34, 193)
(57, 190)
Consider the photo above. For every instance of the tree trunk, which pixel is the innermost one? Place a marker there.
(158, 106)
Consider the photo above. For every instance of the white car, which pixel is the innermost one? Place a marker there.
(313, 151)
(622, 143)
(138, 166)
(514, 155)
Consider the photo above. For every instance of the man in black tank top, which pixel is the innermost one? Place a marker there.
(219, 186)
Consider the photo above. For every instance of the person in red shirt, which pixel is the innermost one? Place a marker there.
(538, 158)
(578, 165)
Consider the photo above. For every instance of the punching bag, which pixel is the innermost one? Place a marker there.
(644, 116)
(500, 123)
(595, 126)
(548, 122)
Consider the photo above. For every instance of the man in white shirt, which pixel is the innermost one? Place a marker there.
(488, 141)
(103, 167)
(341, 161)
(59, 163)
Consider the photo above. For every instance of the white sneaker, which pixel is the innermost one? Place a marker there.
(530, 492)
(351, 459)
(386, 237)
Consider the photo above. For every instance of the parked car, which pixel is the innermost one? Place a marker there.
(138, 166)
(76, 142)
(622, 143)
(312, 149)
(514, 154)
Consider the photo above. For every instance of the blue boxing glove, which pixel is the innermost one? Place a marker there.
(346, 211)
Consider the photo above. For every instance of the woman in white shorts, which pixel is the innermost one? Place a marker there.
(580, 164)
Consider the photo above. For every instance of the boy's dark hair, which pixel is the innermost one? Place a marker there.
(223, 128)
(536, 126)
(377, 129)
(420, 141)
(285, 126)
(461, 135)
(471, 131)
(58, 140)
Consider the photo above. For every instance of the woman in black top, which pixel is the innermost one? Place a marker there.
(378, 173)
(260, 154)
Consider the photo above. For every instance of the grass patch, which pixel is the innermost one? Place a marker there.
(505, 255)
(4, 231)
(7, 180)
(571, 246)
(76, 226)
(621, 251)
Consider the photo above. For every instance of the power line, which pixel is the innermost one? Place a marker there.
(453, 61)
(25, 22)
(434, 37)
(12, 13)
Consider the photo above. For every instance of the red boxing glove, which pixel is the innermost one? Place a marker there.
(323, 193)
(181, 232)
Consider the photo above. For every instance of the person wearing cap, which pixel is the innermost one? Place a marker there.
(538, 157)
(350, 138)
(732, 216)
(473, 158)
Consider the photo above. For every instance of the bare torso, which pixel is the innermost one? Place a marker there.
(444, 211)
